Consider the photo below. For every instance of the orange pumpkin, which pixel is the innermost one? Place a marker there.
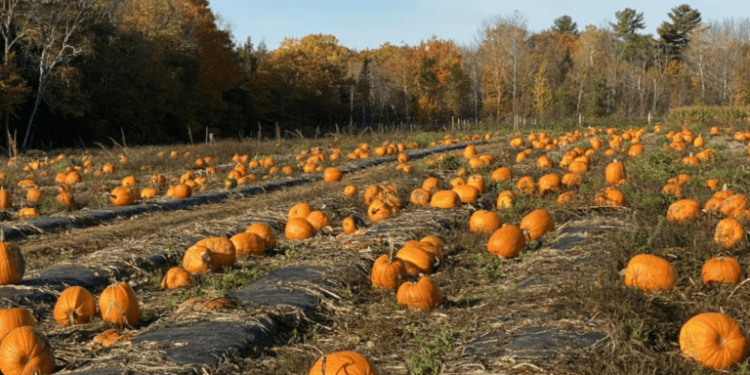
(422, 295)
(416, 259)
(614, 173)
(483, 221)
(343, 363)
(12, 265)
(318, 219)
(33, 195)
(506, 242)
(198, 259)
(299, 210)
(14, 317)
(722, 270)
(247, 244)
(265, 232)
(122, 196)
(649, 273)
(683, 211)
(75, 305)
(176, 277)
(729, 232)
(420, 197)
(714, 340)
(501, 174)
(26, 350)
(445, 199)
(118, 304)
(332, 174)
(536, 223)
(299, 229)
(222, 250)
(505, 199)
(387, 272)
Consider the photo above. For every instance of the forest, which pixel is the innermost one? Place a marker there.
(79, 72)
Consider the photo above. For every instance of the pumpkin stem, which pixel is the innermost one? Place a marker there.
(72, 317)
(323, 365)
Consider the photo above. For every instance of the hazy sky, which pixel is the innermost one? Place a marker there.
(362, 24)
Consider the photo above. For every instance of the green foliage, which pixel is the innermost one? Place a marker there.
(428, 357)
(233, 279)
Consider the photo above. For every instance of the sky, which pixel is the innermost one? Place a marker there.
(367, 24)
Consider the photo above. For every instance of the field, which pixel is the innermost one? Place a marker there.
(558, 307)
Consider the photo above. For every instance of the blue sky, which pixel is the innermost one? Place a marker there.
(369, 24)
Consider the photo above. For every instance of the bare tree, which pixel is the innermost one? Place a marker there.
(57, 37)
(504, 43)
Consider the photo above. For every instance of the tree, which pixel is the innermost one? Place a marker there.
(504, 47)
(565, 25)
(542, 92)
(628, 22)
(13, 88)
(57, 35)
(675, 35)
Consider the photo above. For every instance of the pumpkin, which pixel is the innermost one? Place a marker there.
(610, 197)
(526, 185)
(180, 191)
(470, 151)
(672, 189)
(729, 232)
(33, 195)
(5, 199)
(445, 199)
(343, 363)
(349, 225)
(222, 250)
(614, 173)
(506, 242)
(27, 213)
(416, 259)
(318, 219)
(635, 150)
(420, 197)
(118, 304)
(25, 350)
(332, 174)
(299, 229)
(649, 273)
(379, 210)
(505, 199)
(176, 277)
(12, 265)
(198, 259)
(14, 317)
(148, 193)
(536, 223)
(549, 183)
(66, 199)
(433, 245)
(247, 244)
(501, 174)
(683, 211)
(75, 305)
(736, 202)
(722, 270)
(567, 197)
(712, 184)
(299, 210)
(350, 190)
(483, 221)
(714, 340)
(431, 184)
(387, 272)
(477, 181)
(466, 193)
(73, 178)
(122, 196)
(544, 162)
(129, 181)
(420, 295)
(265, 232)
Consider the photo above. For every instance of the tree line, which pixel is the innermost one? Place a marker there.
(77, 72)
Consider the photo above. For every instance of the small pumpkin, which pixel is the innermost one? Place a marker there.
(350, 191)
(722, 270)
(265, 232)
(567, 197)
(33, 195)
(683, 211)
(483, 221)
(318, 219)
(180, 191)
(387, 272)
(75, 305)
(610, 196)
(416, 259)
(344, 363)
(431, 184)
(27, 213)
(248, 244)
(505, 199)
(299, 229)
(198, 259)
(6, 201)
(175, 277)
(12, 264)
(222, 249)
(506, 242)
(299, 210)
(420, 295)
(332, 174)
(526, 185)
(420, 197)
(349, 225)
(118, 304)
(549, 183)
(649, 273)
(122, 196)
(729, 232)
(445, 199)
(26, 350)
(501, 174)
(537, 223)
(714, 340)
(614, 173)
(466, 193)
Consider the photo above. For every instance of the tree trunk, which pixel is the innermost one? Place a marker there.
(39, 96)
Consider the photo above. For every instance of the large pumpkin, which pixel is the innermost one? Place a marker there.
(247, 244)
(12, 265)
(299, 229)
(483, 221)
(445, 199)
(714, 340)
(420, 295)
(722, 270)
(265, 232)
(416, 259)
(14, 317)
(343, 363)
(649, 272)
(26, 351)
(198, 259)
(222, 249)
(176, 277)
(614, 173)
(536, 223)
(506, 242)
(387, 272)
(75, 305)
(729, 232)
(683, 211)
(122, 196)
(118, 304)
